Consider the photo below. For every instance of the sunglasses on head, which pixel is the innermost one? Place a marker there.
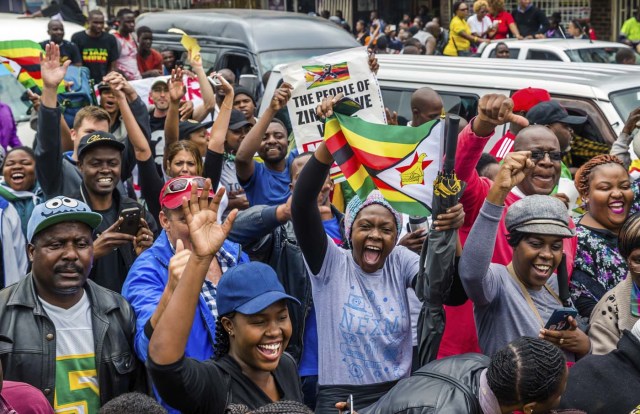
(553, 155)
(180, 184)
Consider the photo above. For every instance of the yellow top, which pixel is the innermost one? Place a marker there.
(457, 26)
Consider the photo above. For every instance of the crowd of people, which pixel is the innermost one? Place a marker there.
(152, 263)
(475, 23)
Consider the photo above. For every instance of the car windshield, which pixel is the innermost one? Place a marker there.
(593, 55)
(269, 59)
(625, 101)
(10, 93)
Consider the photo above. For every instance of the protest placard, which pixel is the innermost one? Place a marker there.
(346, 72)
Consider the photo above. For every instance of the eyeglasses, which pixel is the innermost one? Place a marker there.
(537, 156)
(180, 184)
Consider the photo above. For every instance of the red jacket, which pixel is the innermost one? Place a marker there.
(460, 333)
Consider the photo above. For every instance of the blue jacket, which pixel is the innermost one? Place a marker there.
(144, 286)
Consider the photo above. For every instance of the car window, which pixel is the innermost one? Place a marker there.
(535, 54)
(209, 58)
(399, 100)
(269, 59)
(592, 138)
(625, 101)
(10, 93)
(514, 52)
(593, 55)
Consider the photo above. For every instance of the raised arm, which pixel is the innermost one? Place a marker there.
(176, 92)
(208, 97)
(48, 143)
(219, 130)
(171, 333)
(135, 135)
(251, 143)
(620, 147)
(474, 270)
(305, 214)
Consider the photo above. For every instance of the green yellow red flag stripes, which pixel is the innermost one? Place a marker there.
(401, 162)
(22, 59)
(321, 75)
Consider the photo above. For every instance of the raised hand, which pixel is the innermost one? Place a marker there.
(195, 60)
(206, 234)
(494, 110)
(373, 62)
(144, 238)
(325, 109)
(280, 97)
(176, 87)
(185, 109)
(632, 121)
(514, 168)
(392, 117)
(51, 71)
(177, 264)
(225, 86)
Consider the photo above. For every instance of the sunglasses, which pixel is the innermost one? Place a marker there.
(537, 156)
(180, 184)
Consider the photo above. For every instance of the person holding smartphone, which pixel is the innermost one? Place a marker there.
(518, 299)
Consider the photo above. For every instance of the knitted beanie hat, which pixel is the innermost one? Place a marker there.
(355, 205)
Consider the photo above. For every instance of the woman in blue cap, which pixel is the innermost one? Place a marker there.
(253, 329)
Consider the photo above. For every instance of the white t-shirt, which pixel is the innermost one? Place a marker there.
(77, 387)
(367, 315)
(479, 27)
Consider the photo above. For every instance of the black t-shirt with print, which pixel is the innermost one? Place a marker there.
(97, 53)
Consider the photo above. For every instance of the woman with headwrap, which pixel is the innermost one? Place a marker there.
(360, 294)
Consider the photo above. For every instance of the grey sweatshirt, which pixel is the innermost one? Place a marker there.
(501, 311)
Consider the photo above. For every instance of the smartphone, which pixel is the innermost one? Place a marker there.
(349, 405)
(131, 221)
(558, 321)
(215, 81)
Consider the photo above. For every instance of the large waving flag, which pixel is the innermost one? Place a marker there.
(22, 59)
(401, 162)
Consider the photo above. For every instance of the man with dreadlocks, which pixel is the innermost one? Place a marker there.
(527, 375)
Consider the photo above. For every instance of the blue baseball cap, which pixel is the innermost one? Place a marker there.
(249, 288)
(60, 209)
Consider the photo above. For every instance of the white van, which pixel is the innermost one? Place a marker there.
(605, 93)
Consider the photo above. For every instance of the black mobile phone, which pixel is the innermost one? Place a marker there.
(559, 319)
(131, 221)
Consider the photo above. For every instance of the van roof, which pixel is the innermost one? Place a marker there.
(576, 79)
(259, 30)
(14, 28)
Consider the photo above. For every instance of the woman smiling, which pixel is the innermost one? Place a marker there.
(252, 330)
(20, 186)
(606, 191)
(360, 295)
(517, 300)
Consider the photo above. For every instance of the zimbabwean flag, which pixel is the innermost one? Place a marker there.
(22, 59)
(401, 162)
(322, 75)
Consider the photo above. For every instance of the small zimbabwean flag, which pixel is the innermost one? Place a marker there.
(401, 162)
(322, 75)
(22, 58)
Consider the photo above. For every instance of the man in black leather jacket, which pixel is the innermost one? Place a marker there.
(71, 338)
